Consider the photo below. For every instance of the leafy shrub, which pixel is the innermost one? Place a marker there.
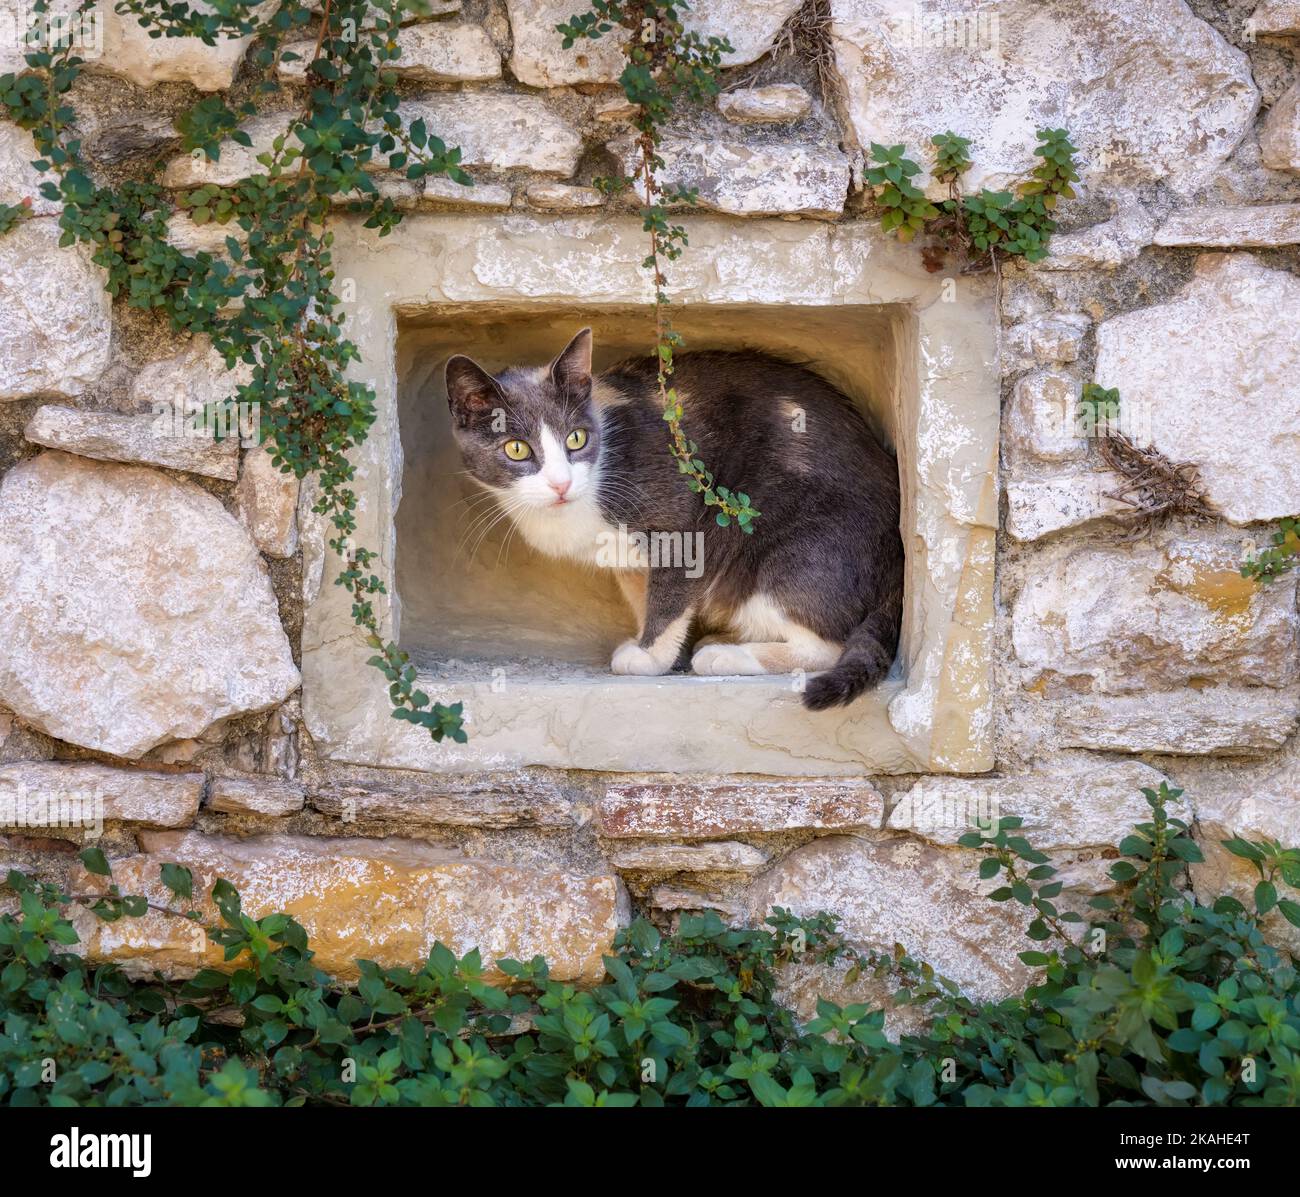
(1160, 1000)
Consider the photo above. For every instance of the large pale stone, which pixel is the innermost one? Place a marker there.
(1104, 246)
(55, 316)
(540, 60)
(142, 439)
(19, 179)
(130, 52)
(189, 382)
(1041, 421)
(1222, 720)
(110, 795)
(234, 161)
(561, 197)
(1037, 507)
(1147, 90)
(438, 52)
(266, 502)
(438, 190)
(897, 889)
(719, 856)
(501, 131)
(1076, 801)
(775, 104)
(1116, 622)
(1250, 226)
(255, 796)
(135, 610)
(1269, 810)
(485, 800)
(384, 900)
(752, 180)
(1198, 403)
(1279, 135)
(688, 810)
(1275, 17)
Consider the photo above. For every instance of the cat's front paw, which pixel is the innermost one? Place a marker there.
(725, 660)
(630, 658)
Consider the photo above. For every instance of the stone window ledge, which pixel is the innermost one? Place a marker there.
(445, 272)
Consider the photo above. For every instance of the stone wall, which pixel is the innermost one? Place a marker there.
(152, 646)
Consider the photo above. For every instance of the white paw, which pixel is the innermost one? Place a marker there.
(725, 660)
(630, 657)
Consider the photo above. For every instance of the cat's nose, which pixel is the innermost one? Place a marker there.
(561, 488)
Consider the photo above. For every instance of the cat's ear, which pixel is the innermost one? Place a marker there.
(471, 390)
(572, 369)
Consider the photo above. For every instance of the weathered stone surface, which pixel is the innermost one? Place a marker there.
(55, 316)
(1075, 801)
(1124, 622)
(1223, 720)
(1275, 17)
(438, 52)
(1103, 246)
(752, 180)
(266, 502)
(255, 796)
(700, 811)
(1045, 340)
(130, 52)
(718, 856)
(495, 801)
(1147, 89)
(501, 131)
(210, 238)
(560, 197)
(775, 104)
(1037, 507)
(142, 439)
(1041, 421)
(234, 161)
(135, 611)
(384, 900)
(19, 179)
(671, 897)
(1279, 135)
(439, 191)
(1197, 404)
(1257, 226)
(190, 381)
(540, 60)
(898, 889)
(1270, 811)
(104, 793)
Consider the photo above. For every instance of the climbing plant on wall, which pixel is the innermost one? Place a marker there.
(666, 64)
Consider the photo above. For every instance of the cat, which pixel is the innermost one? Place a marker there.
(581, 464)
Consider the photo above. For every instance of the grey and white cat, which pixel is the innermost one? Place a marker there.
(580, 461)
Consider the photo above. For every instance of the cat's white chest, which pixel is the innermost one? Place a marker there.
(575, 532)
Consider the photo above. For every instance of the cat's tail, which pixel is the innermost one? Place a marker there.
(867, 656)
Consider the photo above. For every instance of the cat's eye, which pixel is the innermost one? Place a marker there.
(575, 440)
(517, 450)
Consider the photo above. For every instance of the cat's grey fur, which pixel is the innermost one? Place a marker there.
(819, 582)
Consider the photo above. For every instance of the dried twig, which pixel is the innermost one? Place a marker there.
(1154, 486)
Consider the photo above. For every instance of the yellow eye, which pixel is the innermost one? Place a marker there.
(576, 439)
(517, 450)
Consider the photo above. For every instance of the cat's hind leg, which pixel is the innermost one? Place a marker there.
(808, 652)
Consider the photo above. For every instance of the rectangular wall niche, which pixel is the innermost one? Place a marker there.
(524, 641)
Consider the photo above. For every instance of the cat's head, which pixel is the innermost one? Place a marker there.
(530, 432)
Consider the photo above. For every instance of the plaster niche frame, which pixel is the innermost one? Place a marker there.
(933, 714)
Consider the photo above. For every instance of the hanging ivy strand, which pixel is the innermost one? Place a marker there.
(666, 66)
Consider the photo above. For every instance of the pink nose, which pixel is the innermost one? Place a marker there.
(560, 488)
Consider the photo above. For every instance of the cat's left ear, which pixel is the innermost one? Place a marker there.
(572, 369)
